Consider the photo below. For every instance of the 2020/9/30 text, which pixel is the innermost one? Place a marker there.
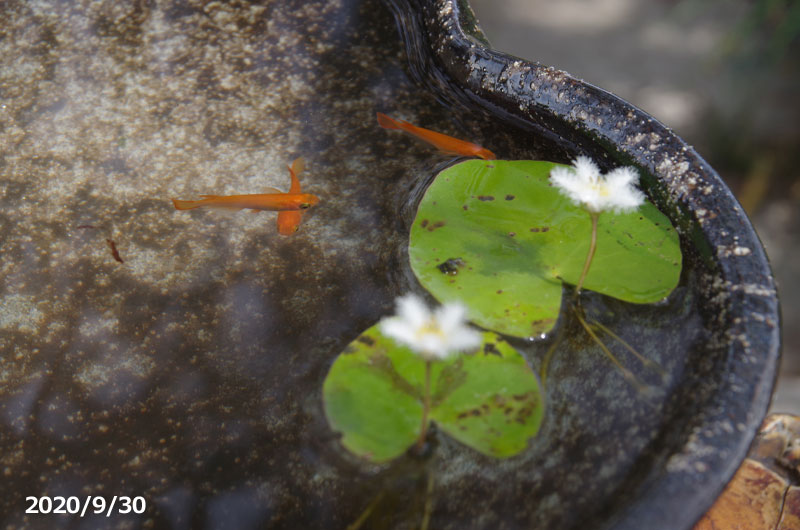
(91, 504)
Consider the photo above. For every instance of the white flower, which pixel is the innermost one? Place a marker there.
(584, 185)
(433, 335)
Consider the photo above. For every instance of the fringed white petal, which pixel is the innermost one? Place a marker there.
(399, 330)
(467, 339)
(432, 345)
(584, 185)
(434, 335)
(450, 317)
(622, 183)
(412, 309)
(586, 170)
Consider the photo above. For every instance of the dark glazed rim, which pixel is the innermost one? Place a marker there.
(741, 300)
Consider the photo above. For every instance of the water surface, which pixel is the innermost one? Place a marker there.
(191, 372)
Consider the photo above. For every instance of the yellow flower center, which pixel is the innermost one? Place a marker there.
(430, 327)
(601, 188)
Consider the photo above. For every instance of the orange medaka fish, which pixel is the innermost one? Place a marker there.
(442, 142)
(289, 221)
(275, 201)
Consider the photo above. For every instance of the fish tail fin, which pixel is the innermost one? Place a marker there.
(389, 123)
(298, 166)
(295, 169)
(486, 154)
(185, 205)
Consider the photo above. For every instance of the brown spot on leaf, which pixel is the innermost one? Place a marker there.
(485, 197)
(465, 207)
(434, 226)
(509, 197)
(512, 234)
(527, 411)
(543, 322)
(490, 349)
(472, 412)
(424, 223)
(366, 339)
(535, 229)
(451, 266)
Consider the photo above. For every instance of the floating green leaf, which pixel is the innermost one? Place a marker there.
(373, 395)
(496, 236)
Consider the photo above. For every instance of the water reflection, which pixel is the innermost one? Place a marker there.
(17, 407)
(190, 374)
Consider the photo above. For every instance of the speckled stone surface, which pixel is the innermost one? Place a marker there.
(190, 373)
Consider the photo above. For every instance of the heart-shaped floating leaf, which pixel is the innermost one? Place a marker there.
(488, 400)
(498, 237)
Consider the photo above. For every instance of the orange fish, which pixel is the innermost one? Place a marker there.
(289, 220)
(442, 142)
(275, 201)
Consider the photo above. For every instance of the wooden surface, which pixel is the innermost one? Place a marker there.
(764, 493)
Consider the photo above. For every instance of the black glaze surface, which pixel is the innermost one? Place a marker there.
(711, 421)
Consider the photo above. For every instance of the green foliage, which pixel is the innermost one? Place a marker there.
(496, 236)
(770, 30)
(489, 400)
